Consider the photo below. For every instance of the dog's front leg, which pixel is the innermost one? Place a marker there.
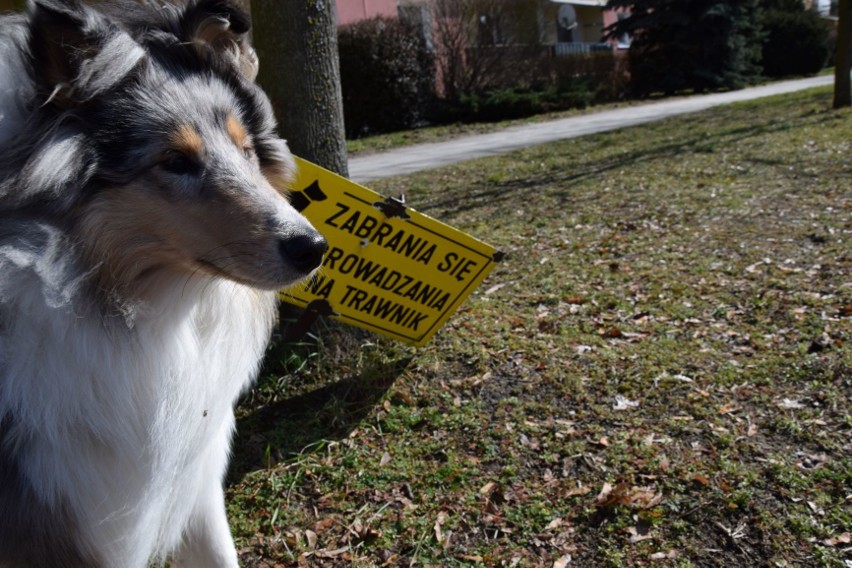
(207, 541)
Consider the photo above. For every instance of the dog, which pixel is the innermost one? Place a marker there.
(144, 231)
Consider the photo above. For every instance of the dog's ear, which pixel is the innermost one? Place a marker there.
(77, 51)
(222, 26)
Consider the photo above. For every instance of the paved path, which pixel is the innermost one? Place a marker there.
(418, 157)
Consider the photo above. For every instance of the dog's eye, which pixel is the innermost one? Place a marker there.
(180, 164)
(248, 152)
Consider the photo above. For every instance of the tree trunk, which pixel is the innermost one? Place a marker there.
(843, 61)
(296, 43)
(7, 5)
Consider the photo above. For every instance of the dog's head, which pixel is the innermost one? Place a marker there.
(169, 153)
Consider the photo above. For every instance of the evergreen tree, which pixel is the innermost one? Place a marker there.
(797, 39)
(696, 44)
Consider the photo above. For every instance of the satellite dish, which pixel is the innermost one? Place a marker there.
(566, 17)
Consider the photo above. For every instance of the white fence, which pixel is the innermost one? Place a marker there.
(579, 48)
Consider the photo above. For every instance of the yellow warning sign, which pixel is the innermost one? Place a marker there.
(388, 269)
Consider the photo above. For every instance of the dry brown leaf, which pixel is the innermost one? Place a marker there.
(844, 538)
(639, 533)
(439, 535)
(364, 533)
(645, 497)
(311, 537)
(700, 479)
(332, 553)
(790, 403)
(323, 524)
(610, 333)
(606, 490)
(402, 398)
(579, 490)
(624, 403)
(554, 524)
(494, 288)
(633, 497)
(562, 561)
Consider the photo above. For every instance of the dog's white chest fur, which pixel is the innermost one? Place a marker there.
(140, 414)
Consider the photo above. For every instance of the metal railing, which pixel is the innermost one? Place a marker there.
(579, 48)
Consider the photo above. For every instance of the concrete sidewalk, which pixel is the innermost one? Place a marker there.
(419, 157)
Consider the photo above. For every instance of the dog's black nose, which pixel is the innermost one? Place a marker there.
(304, 252)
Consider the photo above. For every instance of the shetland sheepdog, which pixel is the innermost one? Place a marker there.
(144, 231)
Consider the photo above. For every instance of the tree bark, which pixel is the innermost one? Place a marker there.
(843, 60)
(8, 5)
(296, 43)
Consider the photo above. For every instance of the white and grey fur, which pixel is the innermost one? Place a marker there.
(123, 345)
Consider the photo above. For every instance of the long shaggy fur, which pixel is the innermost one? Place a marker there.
(143, 233)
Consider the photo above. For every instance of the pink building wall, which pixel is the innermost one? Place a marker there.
(349, 11)
(609, 17)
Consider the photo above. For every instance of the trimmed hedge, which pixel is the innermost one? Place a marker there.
(506, 104)
(387, 76)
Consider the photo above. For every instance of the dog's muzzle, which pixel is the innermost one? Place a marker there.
(304, 252)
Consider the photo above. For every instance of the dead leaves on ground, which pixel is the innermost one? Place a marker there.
(654, 376)
(629, 496)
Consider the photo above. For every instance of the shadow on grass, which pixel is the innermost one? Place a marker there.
(689, 140)
(291, 423)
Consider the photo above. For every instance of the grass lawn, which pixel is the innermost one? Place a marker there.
(658, 374)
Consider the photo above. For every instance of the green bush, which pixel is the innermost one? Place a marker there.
(386, 74)
(510, 103)
(797, 43)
